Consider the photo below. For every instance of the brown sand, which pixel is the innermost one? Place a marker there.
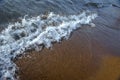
(90, 54)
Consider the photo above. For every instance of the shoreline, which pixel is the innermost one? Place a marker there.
(92, 53)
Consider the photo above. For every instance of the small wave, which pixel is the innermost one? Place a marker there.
(34, 33)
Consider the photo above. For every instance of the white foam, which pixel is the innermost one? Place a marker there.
(34, 33)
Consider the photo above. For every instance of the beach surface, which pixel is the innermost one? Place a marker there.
(91, 53)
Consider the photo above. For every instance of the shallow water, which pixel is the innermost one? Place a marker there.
(92, 53)
(40, 27)
(36, 33)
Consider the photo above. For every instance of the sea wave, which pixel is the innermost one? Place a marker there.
(56, 21)
(36, 33)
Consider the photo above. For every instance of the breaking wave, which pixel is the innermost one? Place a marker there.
(36, 33)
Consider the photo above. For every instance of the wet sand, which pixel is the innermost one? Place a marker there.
(91, 53)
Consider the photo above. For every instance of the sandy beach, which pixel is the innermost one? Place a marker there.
(91, 53)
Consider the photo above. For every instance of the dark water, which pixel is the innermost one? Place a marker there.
(13, 9)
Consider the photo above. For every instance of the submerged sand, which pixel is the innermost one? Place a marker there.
(92, 53)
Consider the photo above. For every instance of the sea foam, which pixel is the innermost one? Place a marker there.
(34, 33)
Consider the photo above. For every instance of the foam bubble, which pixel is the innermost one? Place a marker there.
(34, 33)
